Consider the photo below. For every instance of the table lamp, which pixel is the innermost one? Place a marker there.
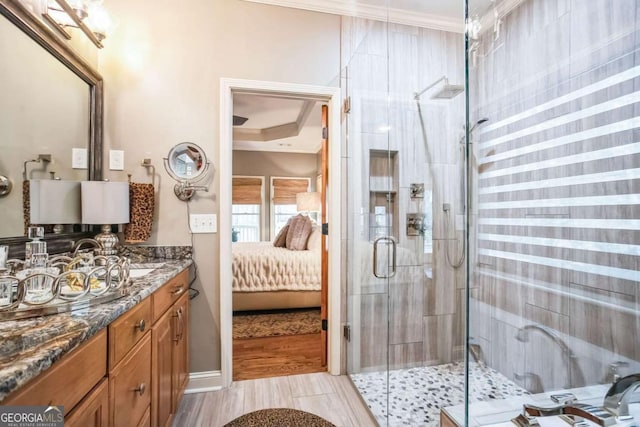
(54, 202)
(308, 202)
(105, 203)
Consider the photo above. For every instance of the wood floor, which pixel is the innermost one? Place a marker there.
(276, 356)
(331, 397)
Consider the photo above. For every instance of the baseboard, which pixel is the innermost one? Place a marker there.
(201, 382)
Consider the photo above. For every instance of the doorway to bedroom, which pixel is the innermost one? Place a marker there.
(279, 179)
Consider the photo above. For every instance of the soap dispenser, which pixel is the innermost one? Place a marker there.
(35, 247)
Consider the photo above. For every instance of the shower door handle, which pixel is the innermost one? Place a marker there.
(393, 257)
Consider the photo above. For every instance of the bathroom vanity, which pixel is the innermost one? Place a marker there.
(123, 363)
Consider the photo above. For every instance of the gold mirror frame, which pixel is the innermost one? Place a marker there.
(38, 31)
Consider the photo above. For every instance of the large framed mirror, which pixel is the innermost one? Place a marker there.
(52, 103)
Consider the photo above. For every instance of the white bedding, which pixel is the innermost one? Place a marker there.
(259, 266)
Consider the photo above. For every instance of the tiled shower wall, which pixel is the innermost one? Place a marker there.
(557, 203)
(416, 318)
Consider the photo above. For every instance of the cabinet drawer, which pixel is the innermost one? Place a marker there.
(130, 386)
(93, 411)
(126, 331)
(168, 294)
(69, 380)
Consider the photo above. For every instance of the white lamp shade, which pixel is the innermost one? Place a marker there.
(105, 202)
(308, 202)
(54, 202)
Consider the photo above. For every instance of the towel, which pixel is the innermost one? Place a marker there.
(26, 205)
(141, 204)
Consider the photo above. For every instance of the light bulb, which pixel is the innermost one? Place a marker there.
(99, 20)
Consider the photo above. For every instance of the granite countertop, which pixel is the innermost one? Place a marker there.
(30, 346)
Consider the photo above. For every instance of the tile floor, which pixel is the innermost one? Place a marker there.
(331, 397)
(416, 395)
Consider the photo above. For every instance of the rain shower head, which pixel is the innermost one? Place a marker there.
(448, 91)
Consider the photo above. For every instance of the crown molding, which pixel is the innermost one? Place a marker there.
(377, 13)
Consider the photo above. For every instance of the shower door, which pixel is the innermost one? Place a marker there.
(370, 249)
(402, 162)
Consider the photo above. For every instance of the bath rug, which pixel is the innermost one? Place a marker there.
(294, 322)
(279, 417)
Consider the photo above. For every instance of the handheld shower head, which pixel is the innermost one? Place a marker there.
(479, 122)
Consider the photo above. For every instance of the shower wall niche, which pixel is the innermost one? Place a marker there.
(383, 194)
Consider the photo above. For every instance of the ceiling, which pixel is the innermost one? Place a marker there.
(445, 15)
(277, 124)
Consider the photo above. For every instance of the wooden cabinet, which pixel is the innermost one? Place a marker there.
(170, 363)
(93, 411)
(180, 350)
(130, 386)
(127, 330)
(70, 380)
(162, 350)
(132, 373)
(169, 293)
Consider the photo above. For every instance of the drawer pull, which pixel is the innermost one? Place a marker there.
(178, 323)
(140, 325)
(178, 290)
(140, 389)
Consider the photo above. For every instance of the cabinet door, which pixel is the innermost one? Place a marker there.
(93, 410)
(162, 337)
(130, 386)
(180, 349)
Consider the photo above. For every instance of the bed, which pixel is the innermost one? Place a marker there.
(267, 277)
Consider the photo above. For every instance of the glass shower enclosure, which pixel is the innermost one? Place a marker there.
(492, 227)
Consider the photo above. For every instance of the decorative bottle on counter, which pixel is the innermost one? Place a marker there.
(35, 247)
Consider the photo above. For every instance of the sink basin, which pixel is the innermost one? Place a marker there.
(134, 273)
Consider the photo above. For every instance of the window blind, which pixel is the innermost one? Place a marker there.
(247, 191)
(285, 190)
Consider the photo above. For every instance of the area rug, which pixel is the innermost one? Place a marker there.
(293, 322)
(279, 417)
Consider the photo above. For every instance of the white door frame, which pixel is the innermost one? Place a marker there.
(330, 95)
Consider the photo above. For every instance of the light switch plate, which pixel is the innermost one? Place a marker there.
(203, 223)
(79, 158)
(116, 160)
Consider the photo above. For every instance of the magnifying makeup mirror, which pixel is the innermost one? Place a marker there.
(187, 163)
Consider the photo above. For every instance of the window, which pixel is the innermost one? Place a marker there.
(283, 200)
(246, 210)
(245, 223)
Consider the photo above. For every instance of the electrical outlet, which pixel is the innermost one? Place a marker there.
(116, 160)
(79, 158)
(203, 223)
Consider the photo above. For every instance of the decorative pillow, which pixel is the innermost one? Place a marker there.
(298, 233)
(315, 239)
(281, 239)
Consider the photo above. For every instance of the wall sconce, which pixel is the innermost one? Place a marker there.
(88, 15)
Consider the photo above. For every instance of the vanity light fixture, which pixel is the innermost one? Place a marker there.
(88, 15)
